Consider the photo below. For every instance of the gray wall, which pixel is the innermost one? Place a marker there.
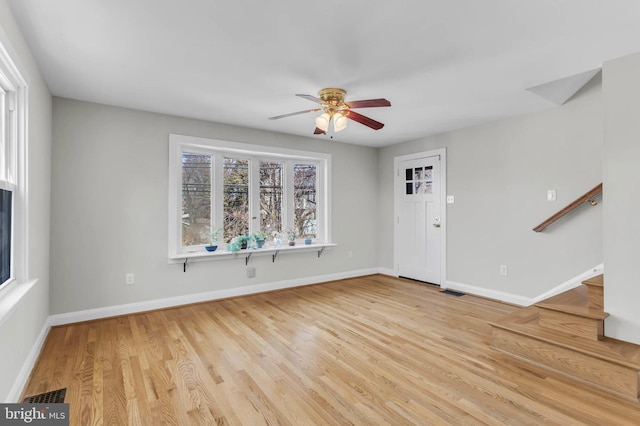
(20, 330)
(499, 174)
(109, 209)
(621, 98)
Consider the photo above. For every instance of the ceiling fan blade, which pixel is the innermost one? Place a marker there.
(311, 98)
(277, 117)
(370, 122)
(369, 103)
(319, 131)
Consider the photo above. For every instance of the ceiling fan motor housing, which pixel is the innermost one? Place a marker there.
(333, 99)
(332, 94)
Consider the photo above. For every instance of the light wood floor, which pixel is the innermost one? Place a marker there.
(367, 351)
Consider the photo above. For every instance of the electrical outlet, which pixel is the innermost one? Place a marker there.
(251, 272)
(451, 199)
(504, 270)
(129, 278)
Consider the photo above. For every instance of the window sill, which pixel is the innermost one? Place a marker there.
(203, 255)
(11, 296)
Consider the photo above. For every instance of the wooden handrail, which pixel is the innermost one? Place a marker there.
(568, 209)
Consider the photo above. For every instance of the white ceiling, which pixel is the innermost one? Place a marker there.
(443, 64)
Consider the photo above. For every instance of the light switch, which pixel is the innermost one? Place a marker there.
(551, 195)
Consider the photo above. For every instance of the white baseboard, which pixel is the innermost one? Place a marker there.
(501, 296)
(110, 311)
(477, 291)
(25, 371)
(387, 271)
(571, 283)
(522, 300)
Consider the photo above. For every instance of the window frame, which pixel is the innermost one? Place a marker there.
(13, 172)
(255, 153)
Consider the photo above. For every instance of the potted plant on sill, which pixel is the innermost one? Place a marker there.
(213, 239)
(243, 241)
(238, 243)
(291, 236)
(260, 237)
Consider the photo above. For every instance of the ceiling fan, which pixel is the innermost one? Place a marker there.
(334, 107)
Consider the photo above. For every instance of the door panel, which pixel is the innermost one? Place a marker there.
(419, 219)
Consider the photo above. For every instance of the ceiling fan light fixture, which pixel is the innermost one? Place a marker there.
(331, 103)
(339, 122)
(322, 122)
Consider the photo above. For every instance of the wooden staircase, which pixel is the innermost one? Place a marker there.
(565, 333)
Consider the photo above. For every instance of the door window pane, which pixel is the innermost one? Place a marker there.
(428, 174)
(418, 173)
(196, 198)
(236, 197)
(409, 187)
(305, 191)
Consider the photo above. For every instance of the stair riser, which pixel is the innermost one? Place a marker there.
(573, 325)
(620, 380)
(596, 296)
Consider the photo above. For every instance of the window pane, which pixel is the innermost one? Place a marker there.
(5, 235)
(236, 197)
(196, 198)
(305, 209)
(271, 177)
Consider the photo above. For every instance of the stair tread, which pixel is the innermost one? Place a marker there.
(575, 302)
(525, 322)
(576, 296)
(581, 311)
(597, 281)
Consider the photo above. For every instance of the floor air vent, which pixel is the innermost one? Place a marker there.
(53, 397)
(453, 293)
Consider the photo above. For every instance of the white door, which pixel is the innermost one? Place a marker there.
(419, 220)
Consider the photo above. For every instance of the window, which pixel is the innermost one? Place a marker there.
(12, 187)
(271, 194)
(235, 198)
(6, 214)
(196, 197)
(305, 198)
(243, 189)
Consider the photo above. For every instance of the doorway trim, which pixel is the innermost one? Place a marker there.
(442, 152)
